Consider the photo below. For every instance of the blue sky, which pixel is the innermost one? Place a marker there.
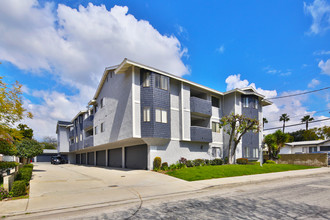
(59, 49)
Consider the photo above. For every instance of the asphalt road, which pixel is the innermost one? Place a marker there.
(291, 198)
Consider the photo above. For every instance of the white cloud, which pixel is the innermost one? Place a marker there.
(320, 12)
(270, 70)
(234, 81)
(221, 49)
(321, 52)
(74, 46)
(313, 83)
(325, 66)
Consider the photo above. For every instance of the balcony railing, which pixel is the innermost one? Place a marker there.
(88, 122)
(88, 141)
(200, 134)
(201, 106)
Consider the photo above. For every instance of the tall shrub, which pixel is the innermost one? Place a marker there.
(157, 163)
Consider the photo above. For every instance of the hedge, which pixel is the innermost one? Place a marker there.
(19, 188)
(25, 174)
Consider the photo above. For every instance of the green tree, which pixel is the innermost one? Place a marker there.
(49, 142)
(284, 118)
(25, 131)
(7, 147)
(275, 142)
(236, 126)
(306, 119)
(29, 148)
(325, 131)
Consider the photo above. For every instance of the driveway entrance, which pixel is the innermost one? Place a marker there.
(67, 185)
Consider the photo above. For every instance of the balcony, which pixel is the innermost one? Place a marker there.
(89, 141)
(200, 106)
(88, 122)
(200, 134)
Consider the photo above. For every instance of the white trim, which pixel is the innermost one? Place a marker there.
(175, 109)
(133, 103)
(182, 114)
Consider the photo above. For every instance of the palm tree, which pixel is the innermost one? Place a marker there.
(284, 118)
(264, 121)
(307, 119)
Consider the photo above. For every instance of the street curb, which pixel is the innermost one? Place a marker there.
(285, 174)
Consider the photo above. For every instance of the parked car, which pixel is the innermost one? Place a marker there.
(58, 160)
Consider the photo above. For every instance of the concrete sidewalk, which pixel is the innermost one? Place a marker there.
(68, 187)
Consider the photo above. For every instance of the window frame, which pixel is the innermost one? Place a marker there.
(102, 127)
(245, 102)
(96, 130)
(256, 103)
(162, 115)
(255, 153)
(213, 98)
(215, 125)
(146, 79)
(146, 114)
(161, 82)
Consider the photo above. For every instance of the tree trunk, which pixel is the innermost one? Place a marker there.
(283, 126)
(230, 161)
(306, 125)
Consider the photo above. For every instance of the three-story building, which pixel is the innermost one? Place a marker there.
(139, 112)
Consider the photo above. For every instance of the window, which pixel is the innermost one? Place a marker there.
(102, 127)
(76, 139)
(216, 127)
(161, 115)
(256, 103)
(146, 79)
(245, 102)
(325, 148)
(247, 152)
(96, 108)
(216, 152)
(146, 114)
(215, 102)
(161, 82)
(96, 129)
(255, 152)
(80, 137)
(102, 102)
(312, 149)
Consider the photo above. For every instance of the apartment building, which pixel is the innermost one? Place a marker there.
(139, 112)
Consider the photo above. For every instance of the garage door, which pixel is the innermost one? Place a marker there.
(100, 158)
(83, 158)
(114, 157)
(45, 157)
(77, 158)
(136, 157)
(90, 158)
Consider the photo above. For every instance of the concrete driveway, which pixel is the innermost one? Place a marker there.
(65, 186)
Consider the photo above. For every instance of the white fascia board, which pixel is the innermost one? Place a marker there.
(129, 62)
(79, 113)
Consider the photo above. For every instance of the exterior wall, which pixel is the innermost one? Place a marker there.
(185, 112)
(136, 98)
(250, 140)
(63, 140)
(155, 98)
(176, 121)
(285, 150)
(174, 150)
(117, 111)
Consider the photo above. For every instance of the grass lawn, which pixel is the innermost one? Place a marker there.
(210, 172)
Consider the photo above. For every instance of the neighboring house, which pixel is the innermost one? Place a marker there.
(139, 112)
(306, 147)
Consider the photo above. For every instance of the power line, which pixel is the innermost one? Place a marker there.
(302, 93)
(296, 116)
(296, 124)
